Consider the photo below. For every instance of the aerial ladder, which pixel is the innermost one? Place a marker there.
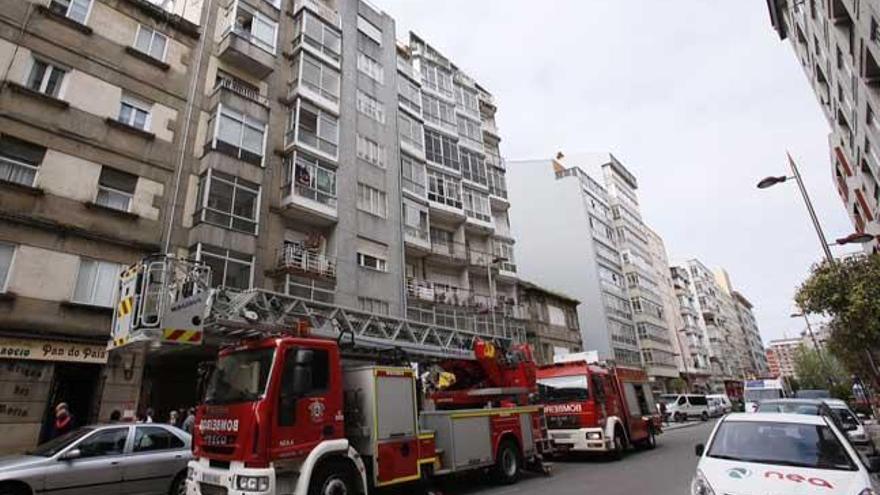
(304, 400)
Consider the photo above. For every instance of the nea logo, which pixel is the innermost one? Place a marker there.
(798, 479)
(563, 408)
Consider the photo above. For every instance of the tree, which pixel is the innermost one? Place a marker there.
(814, 371)
(848, 291)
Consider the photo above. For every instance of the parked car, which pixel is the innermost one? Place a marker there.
(716, 409)
(680, 407)
(782, 454)
(725, 401)
(117, 458)
(840, 413)
(812, 394)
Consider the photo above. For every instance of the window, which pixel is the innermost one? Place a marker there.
(250, 24)
(115, 189)
(473, 167)
(439, 112)
(314, 179)
(443, 238)
(476, 205)
(311, 31)
(466, 98)
(6, 253)
(104, 442)
(371, 305)
(413, 175)
(370, 68)
(411, 131)
(46, 78)
(96, 282)
(134, 113)
(444, 188)
(239, 135)
(151, 438)
(317, 76)
(409, 94)
(504, 250)
(228, 268)
(370, 30)
(441, 150)
(228, 201)
(470, 129)
(372, 200)
(19, 160)
(151, 42)
(317, 128)
(370, 107)
(437, 78)
(372, 262)
(317, 365)
(371, 151)
(78, 10)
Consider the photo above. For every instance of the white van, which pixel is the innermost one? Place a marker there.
(724, 400)
(680, 407)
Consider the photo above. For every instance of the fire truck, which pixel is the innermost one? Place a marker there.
(596, 407)
(310, 398)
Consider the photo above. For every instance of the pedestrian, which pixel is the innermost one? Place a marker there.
(148, 416)
(190, 420)
(115, 416)
(64, 420)
(663, 415)
(174, 418)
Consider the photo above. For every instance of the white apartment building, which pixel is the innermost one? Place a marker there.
(693, 345)
(838, 44)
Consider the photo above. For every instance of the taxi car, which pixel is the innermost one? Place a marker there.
(781, 454)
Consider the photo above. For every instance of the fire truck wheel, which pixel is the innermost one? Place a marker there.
(507, 465)
(619, 445)
(333, 478)
(650, 442)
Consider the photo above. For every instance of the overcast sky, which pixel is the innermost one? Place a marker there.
(699, 99)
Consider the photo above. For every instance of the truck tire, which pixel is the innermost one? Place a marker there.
(508, 463)
(178, 486)
(333, 477)
(618, 448)
(650, 443)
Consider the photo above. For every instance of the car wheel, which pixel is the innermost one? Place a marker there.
(178, 486)
(507, 464)
(704, 416)
(651, 441)
(333, 478)
(13, 488)
(679, 417)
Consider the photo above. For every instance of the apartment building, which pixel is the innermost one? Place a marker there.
(565, 239)
(552, 324)
(291, 145)
(838, 44)
(780, 356)
(756, 364)
(691, 339)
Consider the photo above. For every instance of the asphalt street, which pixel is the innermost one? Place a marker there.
(667, 470)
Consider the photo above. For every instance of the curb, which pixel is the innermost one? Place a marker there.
(680, 426)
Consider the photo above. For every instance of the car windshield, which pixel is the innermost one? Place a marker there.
(759, 394)
(564, 388)
(782, 444)
(789, 407)
(240, 376)
(846, 418)
(56, 445)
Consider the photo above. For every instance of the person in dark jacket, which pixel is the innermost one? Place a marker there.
(64, 421)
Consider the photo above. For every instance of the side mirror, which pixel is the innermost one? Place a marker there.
(699, 449)
(70, 455)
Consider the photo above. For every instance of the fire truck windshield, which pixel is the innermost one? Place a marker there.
(564, 388)
(240, 377)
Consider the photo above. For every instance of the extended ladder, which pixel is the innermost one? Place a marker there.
(165, 299)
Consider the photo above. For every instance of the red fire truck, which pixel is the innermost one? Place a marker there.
(593, 407)
(299, 410)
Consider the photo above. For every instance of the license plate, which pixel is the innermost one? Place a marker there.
(561, 436)
(214, 479)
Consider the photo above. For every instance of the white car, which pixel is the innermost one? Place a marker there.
(724, 400)
(854, 428)
(781, 454)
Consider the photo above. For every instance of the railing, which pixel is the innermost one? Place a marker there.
(17, 172)
(249, 37)
(320, 8)
(417, 233)
(242, 90)
(479, 258)
(304, 260)
(448, 249)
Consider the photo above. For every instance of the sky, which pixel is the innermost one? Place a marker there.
(699, 99)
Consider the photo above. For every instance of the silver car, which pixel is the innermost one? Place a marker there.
(114, 459)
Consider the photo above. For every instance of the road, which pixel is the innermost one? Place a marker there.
(667, 470)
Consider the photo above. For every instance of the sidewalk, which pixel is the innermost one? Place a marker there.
(687, 424)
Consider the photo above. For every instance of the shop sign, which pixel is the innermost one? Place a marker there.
(52, 350)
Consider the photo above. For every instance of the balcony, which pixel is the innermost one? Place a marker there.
(293, 259)
(241, 49)
(490, 127)
(479, 258)
(417, 237)
(419, 290)
(449, 253)
(309, 190)
(320, 8)
(245, 91)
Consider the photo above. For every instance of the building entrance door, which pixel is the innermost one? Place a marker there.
(75, 384)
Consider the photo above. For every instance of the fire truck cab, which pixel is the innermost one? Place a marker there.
(593, 407)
